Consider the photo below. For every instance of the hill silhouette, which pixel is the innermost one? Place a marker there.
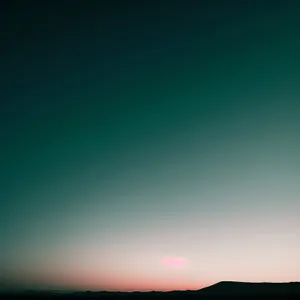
(220, 290)
(250, 288)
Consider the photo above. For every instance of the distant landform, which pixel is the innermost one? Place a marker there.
(232, 287)
(221, 290)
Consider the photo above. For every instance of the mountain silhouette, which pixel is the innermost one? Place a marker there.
(249, 288)
(221, 290)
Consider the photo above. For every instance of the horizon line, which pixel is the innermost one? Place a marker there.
(65, 290)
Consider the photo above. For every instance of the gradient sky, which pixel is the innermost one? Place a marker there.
(149, 145)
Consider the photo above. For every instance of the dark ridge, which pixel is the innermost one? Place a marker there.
(233, 287)
(221, 290)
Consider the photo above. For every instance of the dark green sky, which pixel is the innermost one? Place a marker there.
(138, 130)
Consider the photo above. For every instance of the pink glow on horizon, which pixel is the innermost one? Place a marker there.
(96, 281)
(174, 262)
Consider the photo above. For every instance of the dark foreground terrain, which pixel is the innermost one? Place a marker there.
(221, 290)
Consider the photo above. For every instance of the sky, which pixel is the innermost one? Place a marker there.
(149, 145)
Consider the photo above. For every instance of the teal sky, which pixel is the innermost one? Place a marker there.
(150, 147)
